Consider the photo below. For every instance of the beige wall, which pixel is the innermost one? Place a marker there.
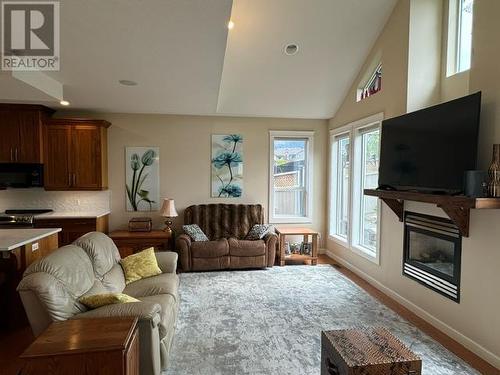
(392, 45)
(424, 53)
(475, 322)
(184, 143)
(485, 75)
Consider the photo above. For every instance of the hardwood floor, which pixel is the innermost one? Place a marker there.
(13, 344)
(453, 346)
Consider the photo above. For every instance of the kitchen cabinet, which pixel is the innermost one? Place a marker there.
(73, 228)
(21, 130)
(75, 154)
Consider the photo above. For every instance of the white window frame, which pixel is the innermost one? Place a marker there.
(453, 42)
(277, 134)
(333, 184)
(355, 131)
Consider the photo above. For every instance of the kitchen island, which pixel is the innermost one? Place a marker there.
(11, 239)
(18, 249)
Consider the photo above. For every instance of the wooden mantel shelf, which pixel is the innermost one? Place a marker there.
(457, 207)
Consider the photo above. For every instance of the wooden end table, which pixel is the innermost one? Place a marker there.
(85, 346)
(305, 232)
(366, 351)
(129, 243)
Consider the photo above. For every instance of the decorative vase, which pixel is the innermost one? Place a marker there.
(494, 173)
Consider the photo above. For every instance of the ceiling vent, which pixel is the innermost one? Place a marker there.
(291, 49)
(126, 82)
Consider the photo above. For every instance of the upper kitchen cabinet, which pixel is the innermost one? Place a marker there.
(21, 129)
(75, 154)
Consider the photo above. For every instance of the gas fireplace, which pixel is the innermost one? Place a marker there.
(432, 252)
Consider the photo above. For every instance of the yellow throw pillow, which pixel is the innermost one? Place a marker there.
(98, 300)
(141, 265)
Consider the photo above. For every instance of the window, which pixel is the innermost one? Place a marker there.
(464, 48)
(290, 198)
(460, 20)
(367, 218)
(372, 86)
(339, 222)
(354, 217)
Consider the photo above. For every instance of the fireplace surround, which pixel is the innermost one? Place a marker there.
(432, 253)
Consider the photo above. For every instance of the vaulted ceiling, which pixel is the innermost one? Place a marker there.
(186, 61)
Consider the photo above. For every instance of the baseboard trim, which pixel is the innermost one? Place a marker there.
(431, 319)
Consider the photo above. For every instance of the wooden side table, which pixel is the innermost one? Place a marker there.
(85, 346)
(129, 243)
(305, 232)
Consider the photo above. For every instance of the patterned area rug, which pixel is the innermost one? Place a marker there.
(269, 322)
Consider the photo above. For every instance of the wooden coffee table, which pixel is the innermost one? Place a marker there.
(373, 351)
(85, 346)
(305, 233)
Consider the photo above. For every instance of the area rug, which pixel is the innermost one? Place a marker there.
(270, 321)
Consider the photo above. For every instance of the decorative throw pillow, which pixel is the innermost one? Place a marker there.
(141, 265)
(98, 300)
(259, 231)
(195, 232)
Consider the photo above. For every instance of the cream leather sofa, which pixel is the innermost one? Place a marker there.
(51, 287)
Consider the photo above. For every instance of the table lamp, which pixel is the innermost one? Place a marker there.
(168, 211)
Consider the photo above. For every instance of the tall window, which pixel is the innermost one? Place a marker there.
(290, 176)
(339, 221)
(464, 48)
(366, 236)
(460, 19)
(355, 155)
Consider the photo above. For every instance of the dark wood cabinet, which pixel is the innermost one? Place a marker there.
(21, 132)
(75, 154)
(10, 137)
(57, 164)
(73, 228)
(129, 243)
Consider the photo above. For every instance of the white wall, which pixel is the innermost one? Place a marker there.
(475, 322)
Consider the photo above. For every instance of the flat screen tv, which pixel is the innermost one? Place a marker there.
(429, 150)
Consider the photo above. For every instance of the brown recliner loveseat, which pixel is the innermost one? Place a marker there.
(226, 226)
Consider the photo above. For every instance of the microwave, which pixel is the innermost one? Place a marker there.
(21, 175)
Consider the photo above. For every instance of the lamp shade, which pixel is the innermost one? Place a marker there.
(168, 208)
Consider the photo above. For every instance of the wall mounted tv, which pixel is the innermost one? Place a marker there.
(429, 150)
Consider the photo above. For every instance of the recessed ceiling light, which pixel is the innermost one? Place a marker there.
(64, 102)
(291, 49)
(230, 25)
(126, 82)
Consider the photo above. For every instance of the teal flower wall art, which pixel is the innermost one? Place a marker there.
(142, 176)
(227, 166)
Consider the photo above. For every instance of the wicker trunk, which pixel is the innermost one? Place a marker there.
(366, 352)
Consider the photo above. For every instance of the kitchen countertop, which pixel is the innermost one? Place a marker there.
(73, 214)
(11, 239)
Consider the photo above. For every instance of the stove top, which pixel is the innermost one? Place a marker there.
(28, 211)
(15, 218)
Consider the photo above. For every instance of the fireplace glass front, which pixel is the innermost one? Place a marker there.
(432, 252)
